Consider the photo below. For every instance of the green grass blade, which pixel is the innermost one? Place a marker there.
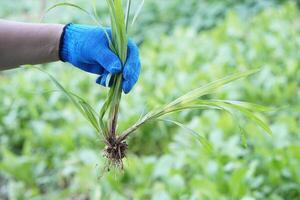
(127, 13)
(248, 109)
(249, 106)
(252, 117)
(191, 101)
(84, 108)
(249, 114)
(94, 4)
(119, 41)
(121, 37)
(243, 137)
(61, 88)
(210, 88)
(233, 115)
(190, 97)
(103, 110)
(114, 27)
(206, 144)
(89, 114)
(67, 4)
(80, 99)
(62, 4)
(137, 12)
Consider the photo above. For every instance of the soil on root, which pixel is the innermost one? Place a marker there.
(115, 152)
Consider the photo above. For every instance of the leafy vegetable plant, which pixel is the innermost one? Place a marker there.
(105, 121)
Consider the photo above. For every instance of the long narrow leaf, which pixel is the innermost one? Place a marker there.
(210, 88)
(253, 117)
(67, 4)
(90, 115)
(249, 106)
(74, 6)
(138, 12)
(84, 108)
(206, 144)
(188, 100)
(250, 115)
(127, 13)
(61, 88)
(94, 4)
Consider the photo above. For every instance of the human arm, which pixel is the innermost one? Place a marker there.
(28, 43)
(85, 47)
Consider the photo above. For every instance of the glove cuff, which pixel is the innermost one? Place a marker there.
(70, 38)
(63, 50)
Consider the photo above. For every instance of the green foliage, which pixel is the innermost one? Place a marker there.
(48, 151)
(118, 44)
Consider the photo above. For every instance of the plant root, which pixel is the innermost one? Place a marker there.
(115, 151)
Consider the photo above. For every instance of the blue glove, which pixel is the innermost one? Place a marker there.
(87, 48)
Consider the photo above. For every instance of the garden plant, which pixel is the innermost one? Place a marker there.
(105, 122)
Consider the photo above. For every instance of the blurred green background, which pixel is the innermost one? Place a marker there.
(48, 151)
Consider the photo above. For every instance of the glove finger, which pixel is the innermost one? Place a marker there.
(109, 61)
(132, 67)
(127, 85)
(92, 68)
(101, 80)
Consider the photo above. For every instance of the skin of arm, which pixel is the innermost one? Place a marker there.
(28, 43)
(83, 46)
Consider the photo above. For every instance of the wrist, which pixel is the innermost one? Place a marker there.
(63, 45)
(50, 37)
(71, 41)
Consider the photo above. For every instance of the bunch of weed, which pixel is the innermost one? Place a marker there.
(106, 124)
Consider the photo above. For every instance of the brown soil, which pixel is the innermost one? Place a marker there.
(115, 151)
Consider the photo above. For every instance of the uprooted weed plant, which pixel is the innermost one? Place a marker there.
(105, 121)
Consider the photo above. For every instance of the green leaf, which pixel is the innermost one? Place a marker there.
(103, 110)
(137, 12)
(89, 114)
(119, 46)
(121, 37)
(253, 117)
(187, 101)
(61, 88)
(250, 115)
(243, 137)
(206, 144)
(209, 88)
(62, 4)
(84, 108)
(94, 4)
(249, 106)
(127, 13)
(67, 4)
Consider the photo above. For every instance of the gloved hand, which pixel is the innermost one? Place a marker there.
(87, 48)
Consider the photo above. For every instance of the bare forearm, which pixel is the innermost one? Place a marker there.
(25, 43)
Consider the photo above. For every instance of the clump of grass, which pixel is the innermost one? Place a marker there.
(115, 150)
(105, 122)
